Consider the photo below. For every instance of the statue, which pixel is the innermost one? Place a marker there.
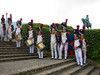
(86, 22)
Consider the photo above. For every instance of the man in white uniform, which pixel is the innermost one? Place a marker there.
(53, 44)
(9, 32)
(84, 48)
(78, 50)
(18, 36)
(40, 39)
(64, 44)
(30, 32)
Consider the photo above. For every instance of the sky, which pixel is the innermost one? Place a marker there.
(49, 11)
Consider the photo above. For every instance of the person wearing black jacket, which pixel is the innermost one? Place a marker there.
(31, 23)
(77, 31)
(19, 22)
(78, 50)
(3, 27)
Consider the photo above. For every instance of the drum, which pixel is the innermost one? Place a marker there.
(18, 37)
(29, 42)
(41, 46)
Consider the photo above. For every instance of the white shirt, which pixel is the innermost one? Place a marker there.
(83, 43)
(53, 38)
(39, 38)
(18, 30)
(30, 33)
(64, 37)
(76, 43)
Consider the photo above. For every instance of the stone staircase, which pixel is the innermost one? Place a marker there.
(9, 52)
(63, 68)
(9, 64)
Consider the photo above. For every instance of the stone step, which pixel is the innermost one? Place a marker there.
(14, 50)
(96, 71)
(46, 67)
(22, 51)
(17, 67)
(16, 55)
(10, 44)
(54, 70)
(7, 43)
(80, 69)
(17, 58)
(4, 53)
(69, 71)
(11, 48)
(85, 71)
(3, 45)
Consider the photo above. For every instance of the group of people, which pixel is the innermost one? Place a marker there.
(30, 40)
(7, 27)
(8, 31)
(62, 43)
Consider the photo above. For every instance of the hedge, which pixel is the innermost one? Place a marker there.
(92, 37)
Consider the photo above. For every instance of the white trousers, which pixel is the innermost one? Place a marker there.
(78, 54)
(31, 48)
(53, 50)
(84, 54)
(2, 36)
(10, 35)
(18, 43)
(40, 53)
(65, 48)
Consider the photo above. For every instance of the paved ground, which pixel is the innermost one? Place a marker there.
(7, 68)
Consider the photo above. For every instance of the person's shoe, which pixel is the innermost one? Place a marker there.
(65, 58)
(84, 63)
(52, 57)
